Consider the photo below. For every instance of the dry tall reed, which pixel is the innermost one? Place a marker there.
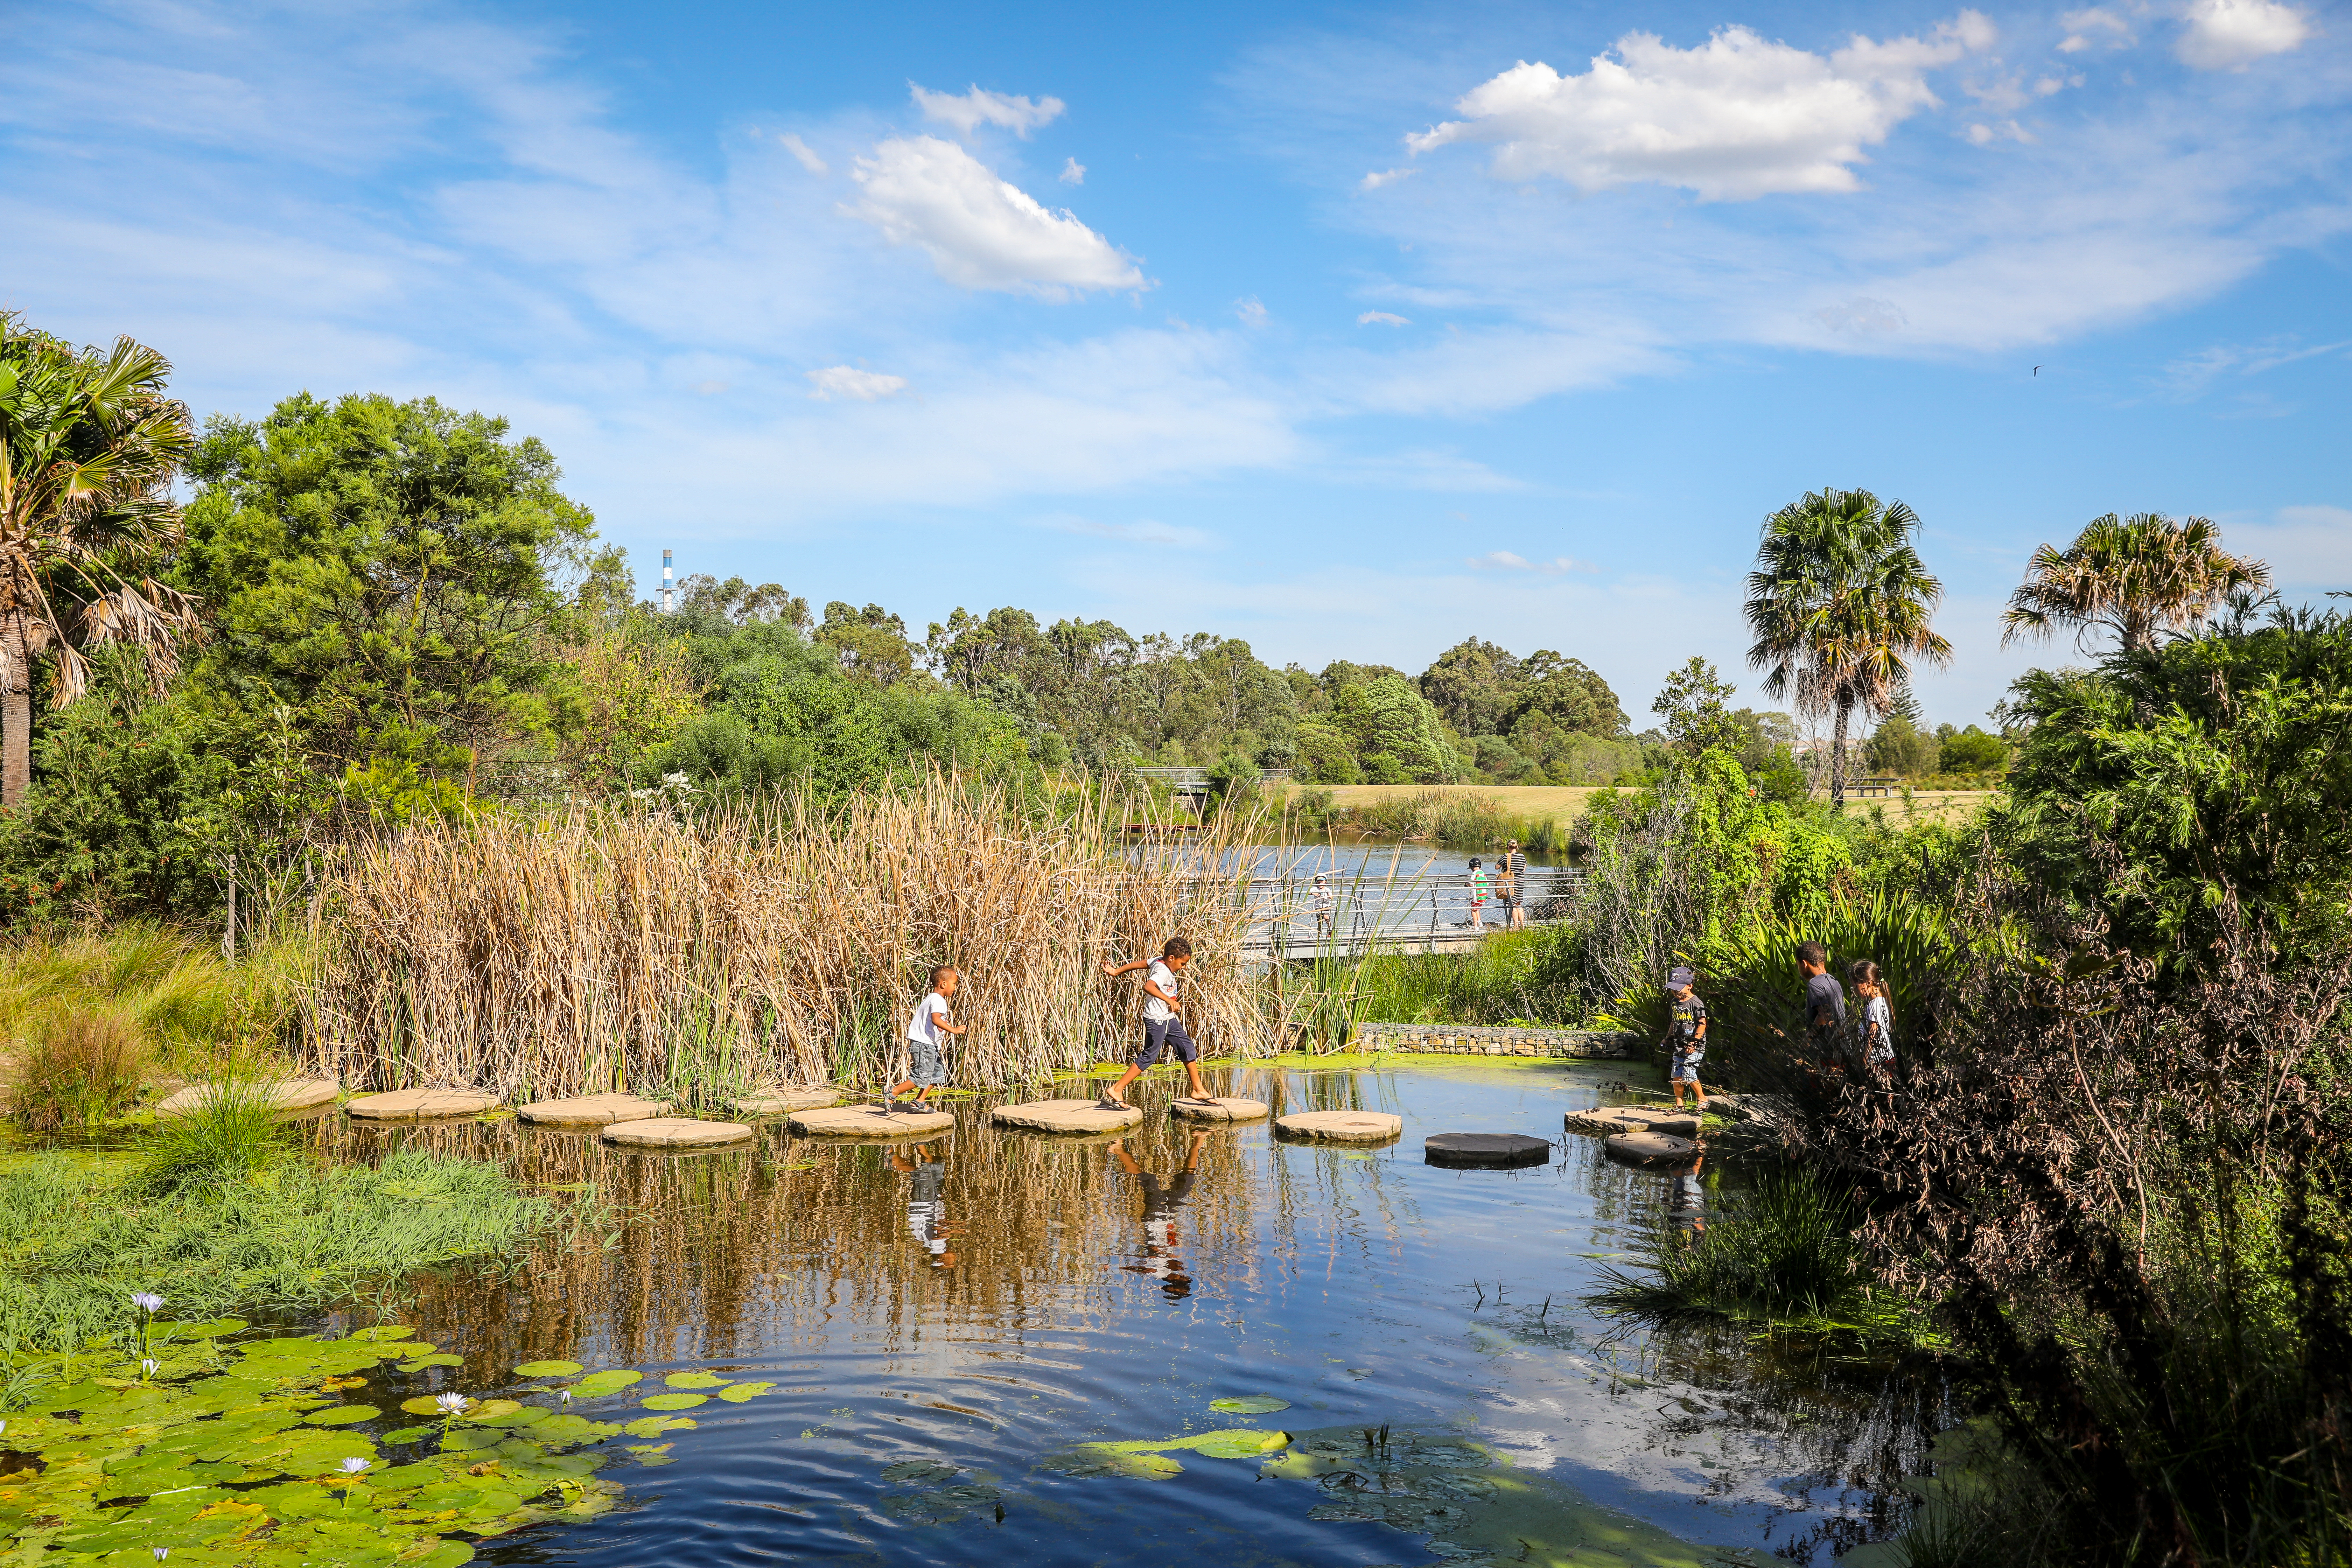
(608, 949)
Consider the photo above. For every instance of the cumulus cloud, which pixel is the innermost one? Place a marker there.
(1739, 117)
(841, 383)
(2230, 35)
(968, 111)
(1381, 319)
(981, 231)
(2096, 28)
(1503, 561)
(804, 153)
(1073, 173)
(1378, 177)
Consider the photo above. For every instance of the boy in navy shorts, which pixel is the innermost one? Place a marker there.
(1164, 1028)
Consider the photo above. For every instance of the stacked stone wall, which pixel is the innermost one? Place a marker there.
(1490, 1040)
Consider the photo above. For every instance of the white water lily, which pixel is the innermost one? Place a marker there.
(452, 1403)
(148, 1367)
(353, 1467)
(148, 1301)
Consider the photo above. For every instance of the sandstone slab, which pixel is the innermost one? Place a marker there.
(1608, 1120)
(1341, 1126)
(1064, 1116)
(592, 1111)
(1485, 1151)
(783, 1101)
(285, 1094)
(1220, 1108)
(420, 1104)
(674, 1132)
(868, 1121)
(1650, 1148)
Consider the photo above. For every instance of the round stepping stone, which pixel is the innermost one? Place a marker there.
(286, 1094)
(420, 1104)
(592, 1111)
(1341, 1126)
(674, 1132)
(1485, 1151)
(1649, 1149)
(1610, 1119)
(786, 1100)
(1064, 1116)
(868, 1121)
(1220, 1108)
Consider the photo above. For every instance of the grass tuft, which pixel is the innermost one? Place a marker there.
(230, 1137)
(80, 1065)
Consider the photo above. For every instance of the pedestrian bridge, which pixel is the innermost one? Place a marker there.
(1369, 915)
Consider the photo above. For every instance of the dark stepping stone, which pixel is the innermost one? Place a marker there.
(1485, 1151)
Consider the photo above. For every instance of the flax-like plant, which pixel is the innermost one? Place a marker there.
(1840, 607)
(2134, 576)
(89, 443)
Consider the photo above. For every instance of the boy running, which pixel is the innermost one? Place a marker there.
(927, 1067)
(1686, 1034)
(1163, 1030)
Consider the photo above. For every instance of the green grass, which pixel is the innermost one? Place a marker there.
(80, 1233)
(1510, 976)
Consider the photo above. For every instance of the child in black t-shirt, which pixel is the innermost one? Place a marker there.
(1686, 1035)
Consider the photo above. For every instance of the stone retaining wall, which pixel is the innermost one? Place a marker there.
(1470, 1040)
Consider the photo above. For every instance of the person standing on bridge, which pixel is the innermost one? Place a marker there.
(1324, 902)
(1514, 883)
(1479, 884)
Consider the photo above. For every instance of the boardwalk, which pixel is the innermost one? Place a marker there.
(1422, 914)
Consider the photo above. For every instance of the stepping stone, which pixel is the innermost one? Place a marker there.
(785, 1100)
(1610, 1119)
(1341, 1126)
(1064, 1116)
(420, 1104)
(868, 1121)
(1650, 1148)
(1485, 1151)
(592, 1111)
(674, 1132)
(1221, 1109)
(286, 1094)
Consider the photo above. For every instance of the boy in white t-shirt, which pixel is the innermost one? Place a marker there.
(1163, 1029)
(926, 1050)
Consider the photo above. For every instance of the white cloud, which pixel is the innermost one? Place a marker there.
(710, 388)
(2230, 35)
(967, 111)
(980, 231)
(841, 382)
(1378, 177)
(1983, 135)
(2307, 546)
(1739, 117)
(1863, 315)
(1073, 173)
(1143, 533)
(804, 153)
(2096, 28)
(2007, 94)
(1382, 319)
(1503, 561)
(1251, 311)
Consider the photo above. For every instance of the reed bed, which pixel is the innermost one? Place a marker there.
(604, 949)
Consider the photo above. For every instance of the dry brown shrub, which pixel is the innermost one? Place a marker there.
(609, 948)
(80, 1064)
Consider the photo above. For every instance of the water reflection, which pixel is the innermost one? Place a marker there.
(969, 1303)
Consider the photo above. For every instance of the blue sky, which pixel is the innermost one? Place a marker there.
(1350, 331)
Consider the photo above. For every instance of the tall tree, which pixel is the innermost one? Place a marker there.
(1695, 705)
(1840, 606)
(89, 446)
(2134, 576)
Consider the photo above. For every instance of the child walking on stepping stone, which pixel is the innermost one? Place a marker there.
(925, 1051)
(1163, 1029)
(1686, 1035)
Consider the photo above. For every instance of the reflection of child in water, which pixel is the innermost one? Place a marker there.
(1160, 1202)
(926, 1210)
(1689, 1201)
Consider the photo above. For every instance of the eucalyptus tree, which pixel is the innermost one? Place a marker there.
(1840, 607)
(2134, 576)
(89, 443)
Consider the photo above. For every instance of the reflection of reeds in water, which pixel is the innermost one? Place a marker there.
(606, 949)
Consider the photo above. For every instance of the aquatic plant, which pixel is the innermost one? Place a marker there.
(79, 1065)
(606, 949)
(232, 1132)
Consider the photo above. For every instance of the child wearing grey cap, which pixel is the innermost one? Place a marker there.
(1685, 1035)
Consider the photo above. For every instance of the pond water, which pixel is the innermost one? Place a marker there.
(943, 1319)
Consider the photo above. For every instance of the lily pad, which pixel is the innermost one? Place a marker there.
(1250, 1405)
(676, 1401)
(654, 1426)
(740, 1393)
(490, 1410)
(410, 1434)
(597, 1384)
(342, 1415)
(1096, 1460)
(695, 1380)
(418, 1363)
(547, 1369)
(422, 1404)
(386, 1332)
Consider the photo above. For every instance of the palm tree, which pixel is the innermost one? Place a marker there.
(1840, 606)
(88, 445)
(2133, 575)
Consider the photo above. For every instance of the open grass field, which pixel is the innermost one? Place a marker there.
(1565, 803)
